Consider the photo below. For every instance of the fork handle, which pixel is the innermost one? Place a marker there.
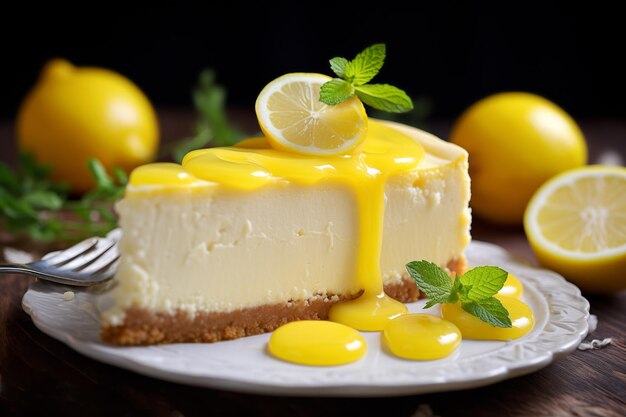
(16, 269)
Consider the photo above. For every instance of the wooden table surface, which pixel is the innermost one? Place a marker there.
(41, 376)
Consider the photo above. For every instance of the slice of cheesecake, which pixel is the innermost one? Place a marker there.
(238, 241)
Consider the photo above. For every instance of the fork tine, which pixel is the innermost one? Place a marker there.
(89, 256)
(102, 262)
(72, 252)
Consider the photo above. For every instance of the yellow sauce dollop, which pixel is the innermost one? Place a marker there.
(421, 337)
(512, 287)
(472, 327)
(370, 312)
(314, 342)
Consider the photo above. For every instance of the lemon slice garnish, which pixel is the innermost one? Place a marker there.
(294, 119)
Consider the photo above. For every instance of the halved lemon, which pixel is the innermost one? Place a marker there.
(294, 119)
(576, 225)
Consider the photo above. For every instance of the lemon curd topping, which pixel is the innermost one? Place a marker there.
(512, 287)
(253, 164)
(163, 174)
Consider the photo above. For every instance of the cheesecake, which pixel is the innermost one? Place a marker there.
(237, 241)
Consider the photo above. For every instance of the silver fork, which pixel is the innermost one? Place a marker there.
(90, 262)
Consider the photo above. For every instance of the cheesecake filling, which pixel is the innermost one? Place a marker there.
(231, 213)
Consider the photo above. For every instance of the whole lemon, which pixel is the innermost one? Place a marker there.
(74, 114)
(515, 141)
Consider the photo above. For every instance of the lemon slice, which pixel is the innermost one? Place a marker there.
(576, 225)
(294, 119)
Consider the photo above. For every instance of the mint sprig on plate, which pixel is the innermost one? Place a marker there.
(475, 290)
(354, 77)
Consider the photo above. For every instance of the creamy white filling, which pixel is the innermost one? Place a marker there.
(426, 217)
(215, 251)
(240, 249)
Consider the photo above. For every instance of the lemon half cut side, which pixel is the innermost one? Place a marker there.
(576, 225)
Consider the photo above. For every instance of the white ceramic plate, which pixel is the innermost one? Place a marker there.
(244, 365)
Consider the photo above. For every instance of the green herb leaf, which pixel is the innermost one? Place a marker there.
(29, 167)
(184, 146)
(16, 211)
(365, 65)
(474, 289)
(44, 232)
(432, 280)
(489, 310)
(384, 97)
(120, 176)
(32, 204)
(338, 65)
(209, 99)
(43, 200)
(336, 91)
(8, 179)
(99, 173)
(483, 282)
(212, 127)
(455, 294)
(356, 74)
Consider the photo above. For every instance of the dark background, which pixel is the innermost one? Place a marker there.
(451, 53)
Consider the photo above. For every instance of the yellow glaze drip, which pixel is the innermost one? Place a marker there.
(321, 343)
(512, 287)
(421, 337)
(373, 309)
(473, 328)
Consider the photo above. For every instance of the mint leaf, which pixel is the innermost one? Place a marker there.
(384, 97)
(338, 65)
(489, 310)
(353, 78)
(474, 289)
(483, 282)
(365, 65)
(455, 294)
(336, 91)
(434, 281)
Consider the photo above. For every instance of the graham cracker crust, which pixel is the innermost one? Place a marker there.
(142, 327)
